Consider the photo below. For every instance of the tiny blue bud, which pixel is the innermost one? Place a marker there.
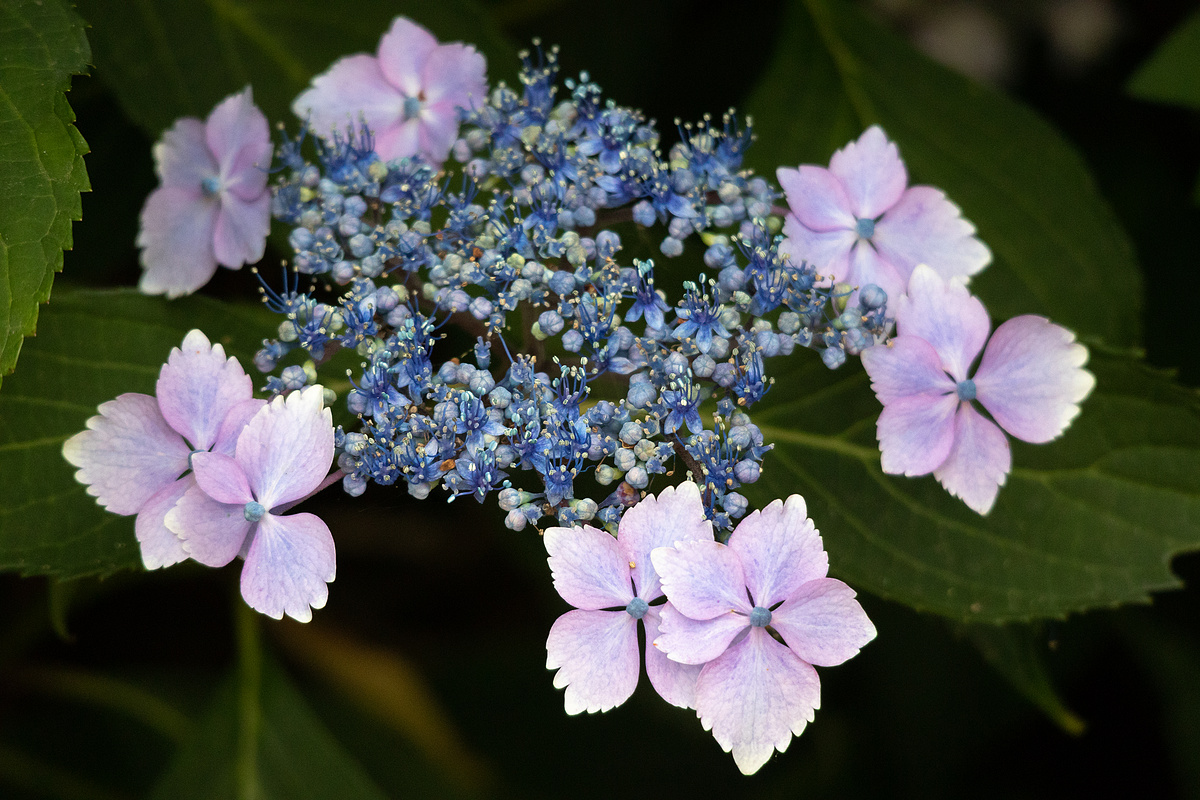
(865, 228)
(253, 511)
(638, 607)
(966, 390)
(871, 296)
(833, 357)
(210, 185)
(760, 617)
(671, 247)
(637, 478)
(412, 107)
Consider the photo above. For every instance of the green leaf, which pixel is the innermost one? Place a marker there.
(165, 59)
(1058, 248)
(1172, 74)
(42, 45)
(91, 347)
(1090, 520)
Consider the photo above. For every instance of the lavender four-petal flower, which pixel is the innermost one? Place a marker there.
(595, 650)
(1030, 379)
(754, 693)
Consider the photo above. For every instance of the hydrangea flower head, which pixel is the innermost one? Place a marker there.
(134, 451)
(860, 222)
(408, 94)
(754, 692)
(213, 206)
(282, 456)
(1030, 380)
(596, 650)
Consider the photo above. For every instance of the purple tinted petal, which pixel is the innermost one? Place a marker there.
(198, 387)
(690, 641)
(437, 131)
(674, 682)
(827, 251)
(160, 547)
(755, 697)
(221, 478)
(916, 433)
(947, 316)
(780, 550)
(287, 447)
(455, 74)
(182, 158)
(816, 197)
(238, 135)
(288, 566)
(235, 421)
(701, 579)
(823, 623)
(1031, 378)
(904, 367)
(399, 139)
(979, 462)
(240, 234)
(352, 89)
(403, 51)
(176, 237)
(212, 532)
(127, 454)
(676, 515)
(596, 655)
(589, 570)
(868, 266)
(926, 228)
(872, 173)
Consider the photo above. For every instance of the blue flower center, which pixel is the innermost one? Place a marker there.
(210, 185)
(412, 107)
(637, 608)
(966, 390)
(760, 617)
(253, 511)
(865, 228)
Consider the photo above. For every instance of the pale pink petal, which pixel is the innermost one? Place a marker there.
(979, 463)
(926, 228)
(691, 641)
(755, 697)
(234, 423)
(160, 547)
(780, 550)
(287, 448)
(676, 515)
(947, 316)
(674, 682)
(827, 251)
(182, 158)
(589, 570)
(596, 655)
(239, 137)
(702, 579)
(221, 478)
(176, 237)
(403, 52)
(212, 532)
(1031, 378)
(127, 454)
(871, 172)
(401, 139)
(905, 366)
(351, 90)
(437, 131)
(823, 623)
(916, 433)
(240, 233)
(868, 266)
(197, 388)
(455, 74)
(816, 197)
(288, 566)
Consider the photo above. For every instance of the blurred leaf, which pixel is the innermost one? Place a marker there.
(1016, 652)
(166, 59)
(1172, 74)
(1090, 520)
(1058, 248)
(91, 347)
(42, 45)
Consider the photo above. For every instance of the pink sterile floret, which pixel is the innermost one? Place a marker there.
(1030, 379)
(594, 650)
(755, 693)
(282, 456)
(213, 206)
(860, 223)
(409, 95)
(133, 454)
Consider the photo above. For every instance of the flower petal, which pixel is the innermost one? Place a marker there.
(755, 697)
(1031, 378)
(867, 265)
(287, 448)
(816, 197)
(674, 682)
(827, 251)
(916, 433)
(455, 74)
(437, 131)
(676, 515)
(596, 655)
(160, 547)
(234, 423)
(871, 173)
(127, 454)
(288, 565)
(780, 550)
(221, 478)
(240, 233)
(211, 532)
(239, 137)
(176, 237)
(926, 228)
(823, 623)
(354, 89)
(979, 462)
(400, 139)
(181, 157)
(589, 570)
(403, 51)
(905, 366)
(702, 579)
(690, 641)
(945, 314)
(197, 388)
